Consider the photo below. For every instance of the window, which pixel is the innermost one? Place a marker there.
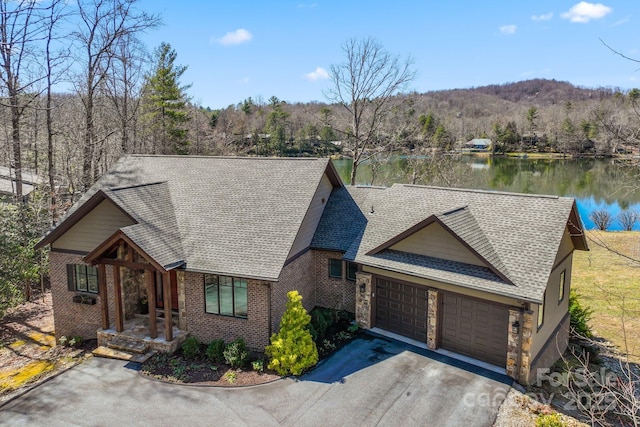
(561, 288)
(352, 268)
(225, 295)
(82, 278)
(335, 268)
(541, 311)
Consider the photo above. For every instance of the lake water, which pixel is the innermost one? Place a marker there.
(594, 183)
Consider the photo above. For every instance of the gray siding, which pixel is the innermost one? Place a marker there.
(312, 217)
(93, 229)
(435, 241)
(554, 310)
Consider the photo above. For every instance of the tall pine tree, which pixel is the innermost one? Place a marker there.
(165, 103)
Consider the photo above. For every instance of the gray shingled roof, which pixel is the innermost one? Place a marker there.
(157, 230)
(233, 216)
(519, 234)
(341, 223)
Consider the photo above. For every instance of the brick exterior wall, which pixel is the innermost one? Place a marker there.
(71, 318)
(308, 274)
(206, 327)
(333, 292)
(297, 275)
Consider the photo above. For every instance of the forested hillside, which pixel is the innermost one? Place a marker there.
(79, 90)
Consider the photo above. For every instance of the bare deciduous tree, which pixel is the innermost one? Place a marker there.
(365, 85)
(601, 218)
(102, 25)
(22, 28)
(628, 219)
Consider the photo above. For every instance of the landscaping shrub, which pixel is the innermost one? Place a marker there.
(292, 349)
(236, 354)
(215, 350)
(550, 420)
(321, 320)
(258, 365)
(191, 348)
(580, 316)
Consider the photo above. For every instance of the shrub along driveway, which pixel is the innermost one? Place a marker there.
(371, 381)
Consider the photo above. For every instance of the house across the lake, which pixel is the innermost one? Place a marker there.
(165, 246)
(478, 144)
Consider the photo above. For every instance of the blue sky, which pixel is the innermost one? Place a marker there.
(239, 49)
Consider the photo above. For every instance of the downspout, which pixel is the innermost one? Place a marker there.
(270, 319)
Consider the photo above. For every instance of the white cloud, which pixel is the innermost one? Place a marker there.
(244, 81)
(318, 74)
(234, 37)
(306, 5)
(508, 29)
(584, 12)
(545, 17)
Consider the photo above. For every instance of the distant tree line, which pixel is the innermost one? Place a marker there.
(78, 90)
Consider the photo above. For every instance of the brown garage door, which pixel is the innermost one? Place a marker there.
(475, 328)
(401, 308)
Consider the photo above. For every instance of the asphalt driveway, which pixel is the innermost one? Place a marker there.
(372, 381)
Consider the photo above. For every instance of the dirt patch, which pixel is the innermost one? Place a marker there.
(28, 351)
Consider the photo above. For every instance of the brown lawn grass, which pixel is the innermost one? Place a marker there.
(609, 284)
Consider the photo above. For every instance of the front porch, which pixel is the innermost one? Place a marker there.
(136, 336)
(144, 300)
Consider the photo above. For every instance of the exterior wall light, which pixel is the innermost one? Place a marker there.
(363, 287)
(515, 327)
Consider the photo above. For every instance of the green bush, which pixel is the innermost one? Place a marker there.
(321, 320)
(215, 350)
(191, 348)
(580, 316)
(236, 354)
(550, 420)
(292, 349)
(258, 365)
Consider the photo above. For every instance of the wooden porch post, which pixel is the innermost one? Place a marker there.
(117, 288)
(102, 289)
(151, 297)
(166, 293)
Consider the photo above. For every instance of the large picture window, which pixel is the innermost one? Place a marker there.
(82, 278)
(225, 295)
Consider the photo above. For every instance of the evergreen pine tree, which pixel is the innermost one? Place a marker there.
(165, 103)
(292, 349)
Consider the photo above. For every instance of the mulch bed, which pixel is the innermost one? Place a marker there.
(177, 368)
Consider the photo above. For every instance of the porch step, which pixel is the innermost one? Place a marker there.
(111, 353)
(128, 345)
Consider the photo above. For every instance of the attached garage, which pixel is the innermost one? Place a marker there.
(401, 308)
(475, 328)
(469, 326)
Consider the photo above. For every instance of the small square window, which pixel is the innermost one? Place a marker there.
(82, 278)
(352, 268)
(335, 268)
(561, 286)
